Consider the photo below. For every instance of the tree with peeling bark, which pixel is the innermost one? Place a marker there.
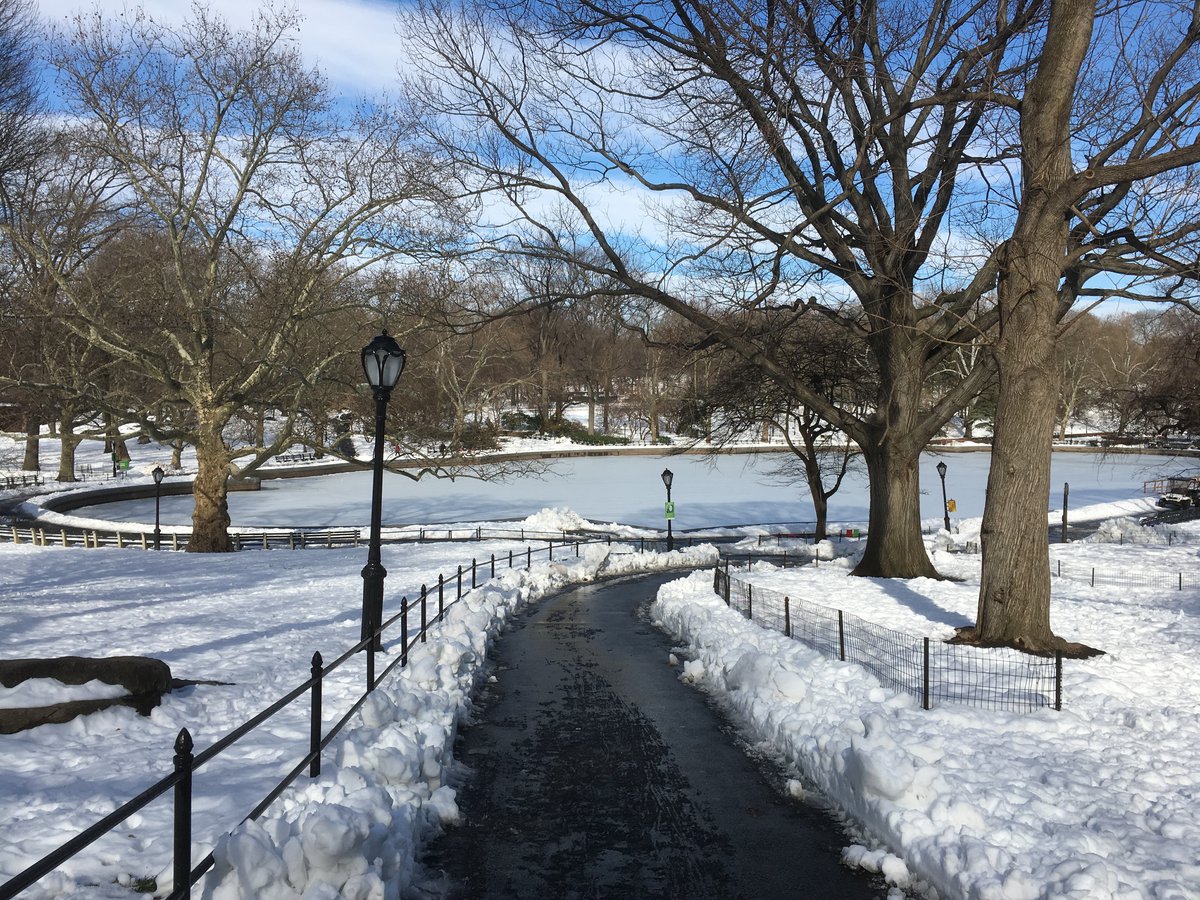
(261, 196)
(804, 158)
(1110, 139)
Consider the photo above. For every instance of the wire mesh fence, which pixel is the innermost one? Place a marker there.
(931, 671)
(1172, 581)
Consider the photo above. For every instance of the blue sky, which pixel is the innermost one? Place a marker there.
(353, 41)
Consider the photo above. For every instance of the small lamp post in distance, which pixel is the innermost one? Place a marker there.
(941, 470)
(668, 476)
(382, 362)
(158, 477)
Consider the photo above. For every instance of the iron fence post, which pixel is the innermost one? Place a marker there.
(314, 732)
(493, 565)
(182, 869)
(1058, 669)
(787, 617)
(474, 569)
(403, 631)
(459, 595)
(424, 620)
(370, 670)
(925, 675)
(749, 601)
(441, 596)
(841, 637)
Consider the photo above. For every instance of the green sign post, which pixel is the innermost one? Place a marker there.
(670, 509)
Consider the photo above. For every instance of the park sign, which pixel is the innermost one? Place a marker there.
(670, 509)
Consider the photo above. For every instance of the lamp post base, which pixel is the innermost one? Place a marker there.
(372, 608)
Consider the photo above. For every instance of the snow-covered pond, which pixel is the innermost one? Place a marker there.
(727, 490)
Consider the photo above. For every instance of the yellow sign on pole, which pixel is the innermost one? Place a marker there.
(951, 506)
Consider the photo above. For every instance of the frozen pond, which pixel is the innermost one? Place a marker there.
(727, 490)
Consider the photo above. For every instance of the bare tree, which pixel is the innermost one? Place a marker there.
(247, 179)
(786, 156)
(740, 399)
(1109, 141)
(20, 96)
(60, 210)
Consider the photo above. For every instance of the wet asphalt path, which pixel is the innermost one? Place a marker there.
(594, 772)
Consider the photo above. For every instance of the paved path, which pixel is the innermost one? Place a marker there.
(597, 773)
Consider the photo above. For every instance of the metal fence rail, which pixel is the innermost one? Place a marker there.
(931, 671)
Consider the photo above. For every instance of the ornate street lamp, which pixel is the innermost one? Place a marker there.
(382, 361)
(668, 476)
(158, 477)
(941, 470)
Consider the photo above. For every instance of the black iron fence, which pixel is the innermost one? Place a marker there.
(932, 671)
(413, 620)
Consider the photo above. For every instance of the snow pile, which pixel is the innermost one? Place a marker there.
(1097, 801)
(1125, 530)
(560, 519)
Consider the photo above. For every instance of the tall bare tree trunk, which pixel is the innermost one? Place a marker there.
(66, 434)
(1014, 594)
(1014, 597)
(895, 547)
(33, 435)
(210, 515)
(891, 440)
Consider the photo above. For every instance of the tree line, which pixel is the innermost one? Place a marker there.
(932, 196)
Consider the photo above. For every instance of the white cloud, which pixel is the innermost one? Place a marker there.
(353, 41)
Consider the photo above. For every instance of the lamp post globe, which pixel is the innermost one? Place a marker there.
(382, 362)
(941, 470)
(158, 477)
(668, 477)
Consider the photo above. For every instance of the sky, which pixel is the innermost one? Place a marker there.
(1096, 801)
(357, 45)
(353, 41)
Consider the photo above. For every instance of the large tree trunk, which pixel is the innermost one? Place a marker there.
(1014, 595)
(210, 515)
(895, 547)
(33, 434)
(891, 442)
(66, 432)
(1014, 592)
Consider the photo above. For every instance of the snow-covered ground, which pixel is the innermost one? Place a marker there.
(1099, 800)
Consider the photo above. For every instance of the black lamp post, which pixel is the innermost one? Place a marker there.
(941, 470)
(668, 476)
(382, 361)
(158, 477)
